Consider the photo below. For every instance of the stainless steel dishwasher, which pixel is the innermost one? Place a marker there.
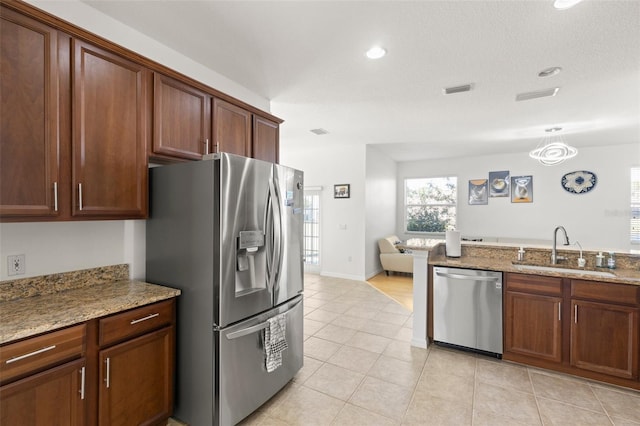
(467, 309)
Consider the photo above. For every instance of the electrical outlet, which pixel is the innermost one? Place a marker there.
(16, 264)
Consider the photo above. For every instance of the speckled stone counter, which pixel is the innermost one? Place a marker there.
(503, 258)
(46, 305)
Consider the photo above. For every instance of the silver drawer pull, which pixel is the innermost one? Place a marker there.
(55, 196)
(148, 317)
(82, 375)
(39, 351)
(108, 367)
(80, 196)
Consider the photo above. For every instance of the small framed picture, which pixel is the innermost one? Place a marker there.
(478, 192)
(342, 190)
(522, 189)
(499, 184)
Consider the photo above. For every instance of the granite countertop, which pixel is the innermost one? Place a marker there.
(501, 264)
(28, 316)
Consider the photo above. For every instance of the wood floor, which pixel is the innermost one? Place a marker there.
(398, 286)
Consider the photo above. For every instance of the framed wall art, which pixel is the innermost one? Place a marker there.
(342, 190)
(478, 191)
(499, 184)
(522, 189)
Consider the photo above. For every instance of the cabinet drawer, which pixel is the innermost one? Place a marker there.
(29, 356)
(135, 322)
(606, 292)
(534, 284)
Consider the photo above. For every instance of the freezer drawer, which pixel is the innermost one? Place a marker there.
(244, 383)
(467, 308)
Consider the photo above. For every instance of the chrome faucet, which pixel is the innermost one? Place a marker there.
(554, 252)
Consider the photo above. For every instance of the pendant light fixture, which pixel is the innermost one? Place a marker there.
(552, 149)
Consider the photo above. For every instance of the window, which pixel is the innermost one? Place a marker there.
(430, 204)
(635, 205)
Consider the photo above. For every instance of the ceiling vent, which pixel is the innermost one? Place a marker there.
(319, 131)
(539, 94)
(456, 89)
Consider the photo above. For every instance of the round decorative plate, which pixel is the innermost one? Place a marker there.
(579, 182)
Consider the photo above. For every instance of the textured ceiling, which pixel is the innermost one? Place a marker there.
(307, 57)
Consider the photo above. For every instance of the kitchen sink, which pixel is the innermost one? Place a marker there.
(562, 270)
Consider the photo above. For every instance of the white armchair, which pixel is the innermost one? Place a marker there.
(392, 258)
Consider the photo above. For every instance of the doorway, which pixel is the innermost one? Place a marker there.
(312, 231)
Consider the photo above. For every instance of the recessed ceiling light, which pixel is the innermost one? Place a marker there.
(565, 4)
(549, 72)
(376, 52)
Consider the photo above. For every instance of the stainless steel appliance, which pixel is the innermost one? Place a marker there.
(467, 308)
(227, 231)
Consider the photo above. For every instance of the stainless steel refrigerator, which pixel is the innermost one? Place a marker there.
(227, 231)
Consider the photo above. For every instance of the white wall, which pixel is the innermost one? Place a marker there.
(343, 227)
(67, 246)
(598, 219)
(380, 206)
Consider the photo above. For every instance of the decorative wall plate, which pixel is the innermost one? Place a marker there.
(579, 182)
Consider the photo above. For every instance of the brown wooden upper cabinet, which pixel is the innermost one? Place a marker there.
(266, 137)
(29, 143)
(181, 119)
(109, 173)
(231, 128)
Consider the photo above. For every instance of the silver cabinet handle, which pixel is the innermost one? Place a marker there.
(559, 311)
(148, 317)
(107, 378)
(575, 314)
(206, 146)
(82, 377)
(39, 351)
(80, 195)
(55, 196)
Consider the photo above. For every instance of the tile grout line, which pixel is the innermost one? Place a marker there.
(535, 396)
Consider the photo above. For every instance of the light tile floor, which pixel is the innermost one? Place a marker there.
(361, 370)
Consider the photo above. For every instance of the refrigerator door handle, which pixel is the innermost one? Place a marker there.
(271, 244)
(275, 226)
(248, 330)
(260, 326)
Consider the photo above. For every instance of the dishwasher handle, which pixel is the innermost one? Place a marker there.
(467, 277)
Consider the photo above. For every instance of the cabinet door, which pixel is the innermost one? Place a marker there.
(29, 164)
(231, 128)
(604, 338)
(109, 134)
(53, 397)
(182, 119)
(137, 380)
(533, 325)
(266, 137)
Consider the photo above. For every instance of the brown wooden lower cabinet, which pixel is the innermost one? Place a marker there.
(585, 328)
(533, 325)
(135, 380)
(604, 338)
(52, 397)
(115, 370)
